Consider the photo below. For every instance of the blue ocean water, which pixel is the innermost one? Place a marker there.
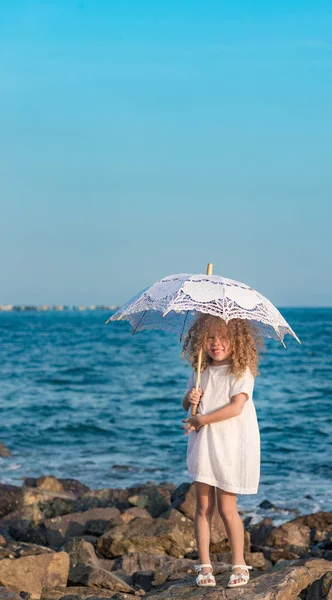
(85, 400)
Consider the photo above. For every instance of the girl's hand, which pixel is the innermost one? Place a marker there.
(194, 396)
(192, 423)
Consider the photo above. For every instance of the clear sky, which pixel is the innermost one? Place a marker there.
(141, 138)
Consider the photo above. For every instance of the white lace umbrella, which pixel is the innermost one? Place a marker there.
(172, 304)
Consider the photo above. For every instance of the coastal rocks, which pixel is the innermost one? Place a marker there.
(90, 575)
(260, 532)
(282, 584)
(81, 552)
(104, 498)
(293, 537)
(91, 522)
(160, 536)
(131, 513)
(18, 549)
(320, 589)
(155, 500)
(9, 499)
(184, 499)
(133, 562)
(7, 595)
(31, 573)
(76, 592)
(320, 524)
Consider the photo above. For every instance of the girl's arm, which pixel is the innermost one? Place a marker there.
(233, 409)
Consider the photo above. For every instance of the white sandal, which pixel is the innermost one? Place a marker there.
(206, 580)
(234, 576)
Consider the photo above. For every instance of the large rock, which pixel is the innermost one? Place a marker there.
(90, 522)
(281, 584)
(320, 589)
(320, 524)
(184, 499)
(81, 552)
(7, 595)
(77, 592)
(131, 513)
(9, 499)
(31, 573)
(105, 498)
(291, 536)
(260, 532)
(25, 524)
(50, 483)
(160, 535)
(90, 575)
(156, 499)
(18, 549)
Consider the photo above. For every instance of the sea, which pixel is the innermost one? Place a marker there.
(81, 399)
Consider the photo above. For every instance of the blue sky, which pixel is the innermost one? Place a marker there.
(143, 138)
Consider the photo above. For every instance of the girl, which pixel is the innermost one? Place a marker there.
(223, 452)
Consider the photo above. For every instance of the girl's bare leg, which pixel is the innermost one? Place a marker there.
(205, 505)
(227, 507)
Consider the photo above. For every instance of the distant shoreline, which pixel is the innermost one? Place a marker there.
(55, 307)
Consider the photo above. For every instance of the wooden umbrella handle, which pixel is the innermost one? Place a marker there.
(199, 361)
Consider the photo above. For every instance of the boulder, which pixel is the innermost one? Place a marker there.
(131, 513)
(25, 524)
(75, 592)
(9, 499)
(7, 595)
(291, 536)
(81, 552)
(156, 499)
(160, 535)
(281, 584)
(105, 498)
(255, 559)
(31, 573)
(90, 522)
(184, 499)
(321, 589)
(93, 576)
(260, 532)
(50, 483)
(16, 549)
(320, 524)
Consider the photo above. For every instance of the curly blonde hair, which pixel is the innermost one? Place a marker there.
(245, 342)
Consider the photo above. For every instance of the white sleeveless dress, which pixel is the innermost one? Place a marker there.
(225, 454)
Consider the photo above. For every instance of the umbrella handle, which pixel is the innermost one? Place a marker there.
(199, 360)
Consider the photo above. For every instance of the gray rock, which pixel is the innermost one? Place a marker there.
(60, 529)
(31, 573)
(9, 499)
(159, 535)
(7, 595)
(92, 576)
(77, 592)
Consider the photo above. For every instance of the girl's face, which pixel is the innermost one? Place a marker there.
(218, 345)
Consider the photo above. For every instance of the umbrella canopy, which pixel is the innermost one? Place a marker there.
(172, 303)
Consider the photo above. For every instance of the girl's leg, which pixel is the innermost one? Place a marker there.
(227, 508)
(205, 505)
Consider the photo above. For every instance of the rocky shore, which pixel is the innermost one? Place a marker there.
(61, 540)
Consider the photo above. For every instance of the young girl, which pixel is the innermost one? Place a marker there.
(223, 452)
